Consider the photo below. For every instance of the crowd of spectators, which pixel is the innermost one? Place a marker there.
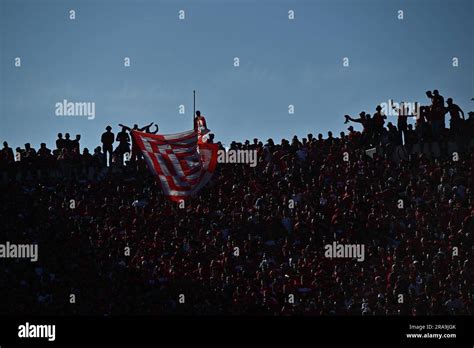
(254, 235)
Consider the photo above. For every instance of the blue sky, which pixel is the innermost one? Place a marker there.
(282, 62)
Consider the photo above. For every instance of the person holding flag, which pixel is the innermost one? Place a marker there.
(200, 127)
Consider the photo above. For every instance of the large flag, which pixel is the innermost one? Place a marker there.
(181, 165)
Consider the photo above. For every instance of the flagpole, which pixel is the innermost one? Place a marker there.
(194, 106)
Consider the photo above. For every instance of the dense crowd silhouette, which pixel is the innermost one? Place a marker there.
(303, 194)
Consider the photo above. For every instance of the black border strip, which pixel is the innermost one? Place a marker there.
(242, 330)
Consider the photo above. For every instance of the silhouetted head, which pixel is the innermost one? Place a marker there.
(449, 101)
(108, 128)
(435, 92)
(43, 145)
(5, 144)
(27, 146)
(60, 135)
(198, 113)
(135, 126)
(378, 108)
(67, 135)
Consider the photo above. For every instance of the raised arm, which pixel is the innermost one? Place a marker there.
(145, 127)
(155, 131)
(126, 128)
(348, 118)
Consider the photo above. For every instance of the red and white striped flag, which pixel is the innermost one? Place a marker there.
(181, 165)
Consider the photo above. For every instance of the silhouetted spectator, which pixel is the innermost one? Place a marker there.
(75, 145)
(378, 121)
(29, 154)
(124, 142)
(60, 142)
(6, 154)
(43, 152)
(437, 113)
(107, 140)
(68, 144)
(455, 112)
